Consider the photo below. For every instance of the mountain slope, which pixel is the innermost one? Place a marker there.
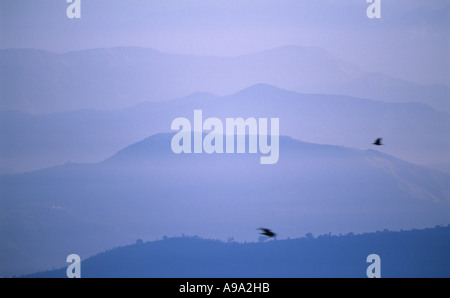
(146, 191)
(416, 253)
(412, 132)
(42, 82)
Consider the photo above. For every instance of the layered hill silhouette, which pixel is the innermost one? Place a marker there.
(412, 131)
(146, 191)
(410, 42)
(38, 81)
(415, 253)
(86, 164)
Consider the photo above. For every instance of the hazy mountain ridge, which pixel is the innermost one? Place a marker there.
(412, 131)
(410, 41)
(41, 82)
(145, 191)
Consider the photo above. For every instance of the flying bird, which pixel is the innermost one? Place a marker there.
(377, 142)
(267, 232)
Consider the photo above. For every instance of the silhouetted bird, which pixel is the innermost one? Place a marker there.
(267, 232)
(377, 142)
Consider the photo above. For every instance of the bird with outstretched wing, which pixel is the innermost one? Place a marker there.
(267, 232)
(377, 142)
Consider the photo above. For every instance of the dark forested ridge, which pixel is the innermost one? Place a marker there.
(413, 253)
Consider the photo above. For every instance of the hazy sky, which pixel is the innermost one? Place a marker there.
(410, 41)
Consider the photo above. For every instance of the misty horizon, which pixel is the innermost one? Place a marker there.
(114, 115)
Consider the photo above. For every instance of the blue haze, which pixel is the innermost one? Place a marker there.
(145, 191)
(86, 107)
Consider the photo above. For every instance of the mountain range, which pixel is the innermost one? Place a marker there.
(410, 41)
(412, 131)
(38, 81)
(146, 191)
(86, 114)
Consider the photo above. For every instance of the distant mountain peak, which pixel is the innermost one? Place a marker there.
(297, 49)
(263, 90)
